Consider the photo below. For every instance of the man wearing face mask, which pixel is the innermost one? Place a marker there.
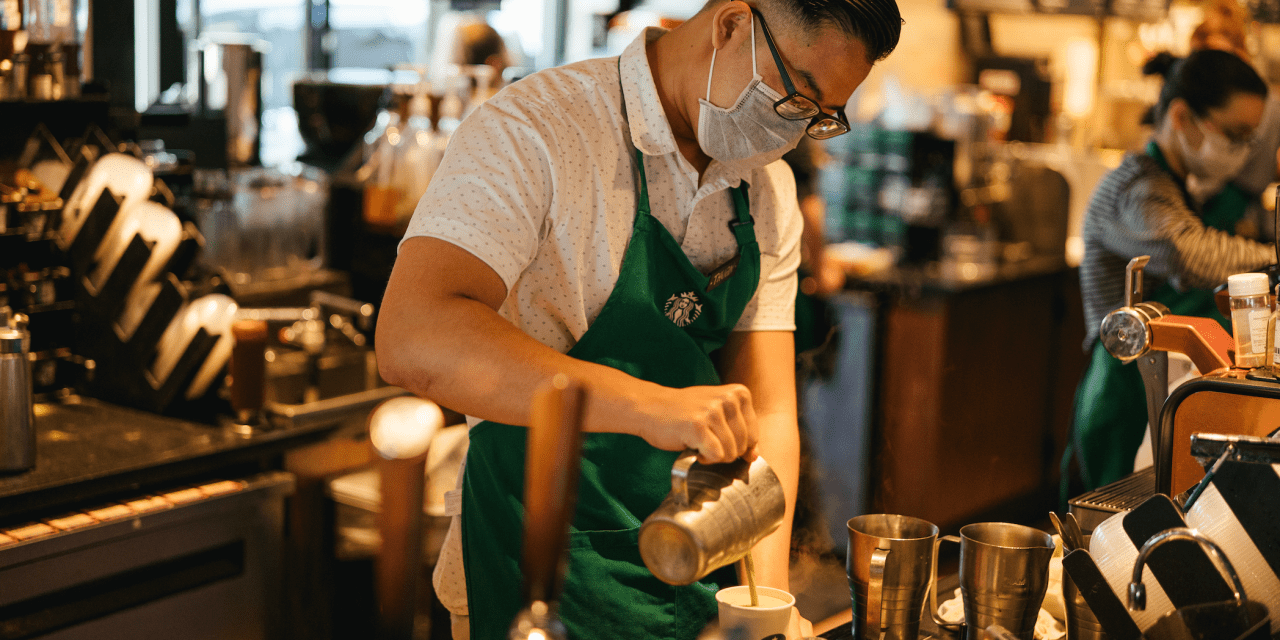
(624, 221)
(1209, 108)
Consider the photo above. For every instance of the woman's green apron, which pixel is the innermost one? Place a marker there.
(661, 322)
(1110, 406)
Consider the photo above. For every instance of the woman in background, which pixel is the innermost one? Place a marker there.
(1211, 104)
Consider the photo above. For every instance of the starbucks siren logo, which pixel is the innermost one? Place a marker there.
(683, 308)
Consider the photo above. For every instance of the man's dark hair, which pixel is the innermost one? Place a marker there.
(877, 23)
(480, 42)
(1207, 80)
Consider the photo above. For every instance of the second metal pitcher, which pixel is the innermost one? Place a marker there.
(1004, 574)
(713, 516)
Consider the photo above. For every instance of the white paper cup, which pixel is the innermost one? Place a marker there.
(741, 621)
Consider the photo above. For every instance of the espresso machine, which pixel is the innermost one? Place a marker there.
(1201, 520)
(1224, 400)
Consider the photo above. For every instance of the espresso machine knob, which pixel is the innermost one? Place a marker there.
(1126, 332)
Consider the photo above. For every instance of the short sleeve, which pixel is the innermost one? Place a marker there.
(492, 191)
(778, 229)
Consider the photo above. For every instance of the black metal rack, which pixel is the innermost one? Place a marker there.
(76, 344)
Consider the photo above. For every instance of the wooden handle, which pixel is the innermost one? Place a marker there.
(552, 464)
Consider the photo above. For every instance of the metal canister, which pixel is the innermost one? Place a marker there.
(17, 416)
(714, 515)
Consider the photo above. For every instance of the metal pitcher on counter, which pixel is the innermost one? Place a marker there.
(714, 515)
(1004, 574)
(890, 566)
(17, 418)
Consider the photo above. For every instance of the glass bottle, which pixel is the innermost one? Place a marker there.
(13, 41)
(1273, 340)
(1250, 312)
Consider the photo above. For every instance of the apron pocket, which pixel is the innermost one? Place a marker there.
(609, 592)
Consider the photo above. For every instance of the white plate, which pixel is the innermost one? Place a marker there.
(214, 313)
(126, 176)
(158, 226)
(1115, 555)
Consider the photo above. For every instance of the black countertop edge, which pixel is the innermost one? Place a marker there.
(88, 449)
(922, 280)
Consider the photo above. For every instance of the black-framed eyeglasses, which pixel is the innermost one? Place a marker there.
(797, 106)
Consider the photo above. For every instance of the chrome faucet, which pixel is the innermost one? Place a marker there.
(1138, 591)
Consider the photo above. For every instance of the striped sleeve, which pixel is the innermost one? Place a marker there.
(1154, 220)
(1139, 209)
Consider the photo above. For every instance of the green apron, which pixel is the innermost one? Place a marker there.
(659, 324)
(1111, 406)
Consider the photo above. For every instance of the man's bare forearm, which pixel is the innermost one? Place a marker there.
(765, 363)
(780, 447)
(441, 337)
(465, 356)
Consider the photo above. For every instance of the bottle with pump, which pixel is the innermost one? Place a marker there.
(1273, 340)
(380, 195)
(419, 155)
(399, 162)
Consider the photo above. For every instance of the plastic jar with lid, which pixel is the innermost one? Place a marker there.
(1250, 310)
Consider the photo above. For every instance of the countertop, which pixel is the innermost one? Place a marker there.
(941, 279)
(88, 449)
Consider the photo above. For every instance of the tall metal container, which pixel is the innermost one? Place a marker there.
(17, 416)
(227, 75)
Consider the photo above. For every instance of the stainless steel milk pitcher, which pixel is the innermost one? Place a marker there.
(17, 417)
(713, 516)
(1004, 574)
(890, 564)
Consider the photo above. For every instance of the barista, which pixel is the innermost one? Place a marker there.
(1224, 26)
(1208, 110)
(624, 221)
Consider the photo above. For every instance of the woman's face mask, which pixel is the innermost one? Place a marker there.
(1211, 165)
(1217, 158)
(748, 134)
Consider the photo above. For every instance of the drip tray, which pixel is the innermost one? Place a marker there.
(1126, 493)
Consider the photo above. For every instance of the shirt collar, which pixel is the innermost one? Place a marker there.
(650, 129)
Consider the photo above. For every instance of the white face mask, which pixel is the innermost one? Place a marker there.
(1211, 165)
(749, 134)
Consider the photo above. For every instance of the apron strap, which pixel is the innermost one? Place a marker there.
(742, 225)
(1153, 150)
(642, 197)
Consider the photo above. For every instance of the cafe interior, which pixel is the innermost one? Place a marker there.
(201, 202)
